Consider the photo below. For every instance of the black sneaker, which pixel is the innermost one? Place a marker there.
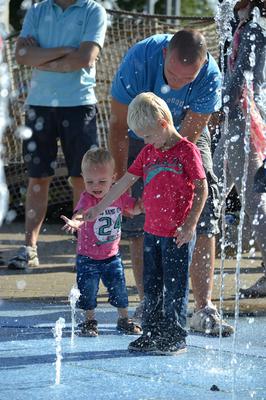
(144, 344)
(88, 328)
(165, 348)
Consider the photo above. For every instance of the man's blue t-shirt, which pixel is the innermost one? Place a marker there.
(51, 26)
(142, 71)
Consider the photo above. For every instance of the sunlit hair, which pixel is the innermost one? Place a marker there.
(189, 46)
(261, 4)
(145, 110)
(97, 156)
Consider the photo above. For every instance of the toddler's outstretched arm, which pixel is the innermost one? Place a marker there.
(72, 225)
(116, 191)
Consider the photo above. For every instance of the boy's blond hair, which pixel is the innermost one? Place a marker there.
(96, 156)
(145, 110)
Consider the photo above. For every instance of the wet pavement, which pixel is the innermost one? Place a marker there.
(102, 368)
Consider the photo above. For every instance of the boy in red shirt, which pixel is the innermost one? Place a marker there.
(175, 191)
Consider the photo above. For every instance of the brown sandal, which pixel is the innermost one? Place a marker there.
(127, 326)
(88, 328)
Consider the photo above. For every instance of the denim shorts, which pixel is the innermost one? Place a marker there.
(110, 272)
(208, 222)
(74, 127)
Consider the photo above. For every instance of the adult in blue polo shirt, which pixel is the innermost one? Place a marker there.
(61, 40)
(179, 69)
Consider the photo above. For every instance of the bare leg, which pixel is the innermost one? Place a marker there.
(90, 315)
(202, 270)
(122, 312)
(78, 187)
(136, 253)
(36, 207)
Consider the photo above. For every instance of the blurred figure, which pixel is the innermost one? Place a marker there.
(249, 42)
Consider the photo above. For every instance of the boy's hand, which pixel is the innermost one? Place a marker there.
(184, 234)
(71, 225)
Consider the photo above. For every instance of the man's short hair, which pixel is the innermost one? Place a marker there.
(145, 110)
(189, 46)
(96, 156)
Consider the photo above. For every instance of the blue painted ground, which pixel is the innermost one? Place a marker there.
(101, 368)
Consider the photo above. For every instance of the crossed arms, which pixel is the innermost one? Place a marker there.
(57, 59)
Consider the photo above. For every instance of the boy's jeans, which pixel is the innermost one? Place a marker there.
(166, 285)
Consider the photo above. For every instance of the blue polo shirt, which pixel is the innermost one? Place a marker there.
(84, 21)
(142, 70)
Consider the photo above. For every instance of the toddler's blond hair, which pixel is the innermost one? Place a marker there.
(96, 156)
(145, 110)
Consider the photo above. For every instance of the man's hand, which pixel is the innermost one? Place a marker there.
(72, 225)
(184, 234)
(29, 41)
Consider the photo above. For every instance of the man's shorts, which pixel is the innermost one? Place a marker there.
(74, 127)
(133, 227)
(208, 222)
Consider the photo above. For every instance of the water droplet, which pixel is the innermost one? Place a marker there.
(21, 284)
(226, 98)
(165, 89)
(23, 133)
(234, 138)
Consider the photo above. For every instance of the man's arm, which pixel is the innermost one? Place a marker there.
(29, 53)
(193, 125)
(116, 191)
(83, 57)
(185, 232)
(118, 136)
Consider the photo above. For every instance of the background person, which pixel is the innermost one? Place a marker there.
(249, 37)
(178, 69)
(61, 40)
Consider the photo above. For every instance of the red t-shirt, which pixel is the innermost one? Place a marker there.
(168, 184)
